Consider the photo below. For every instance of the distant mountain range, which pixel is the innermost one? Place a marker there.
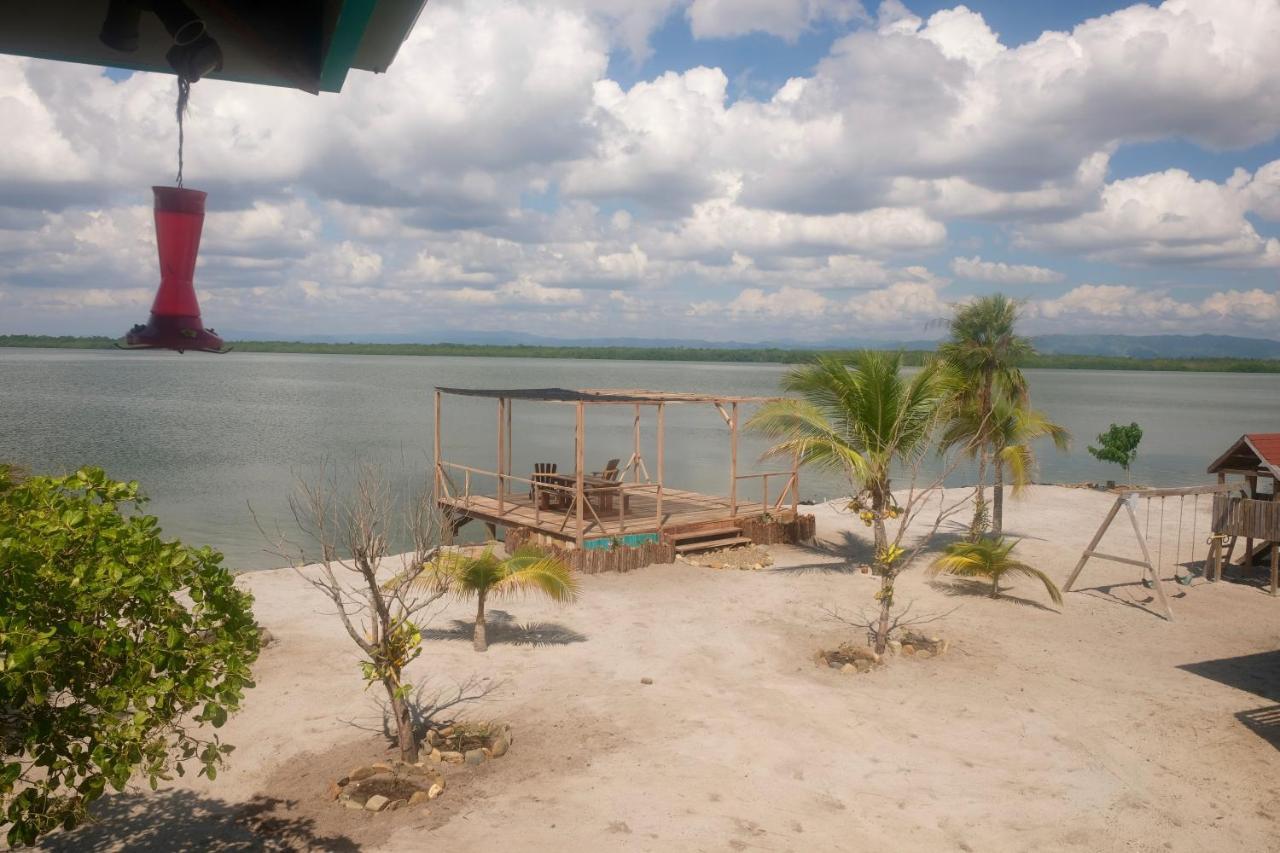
(1122, 346)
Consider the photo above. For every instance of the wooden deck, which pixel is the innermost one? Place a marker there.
(680, 509)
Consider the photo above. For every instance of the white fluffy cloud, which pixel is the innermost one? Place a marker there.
(499, 164)
(976, 269)
(1167, 217)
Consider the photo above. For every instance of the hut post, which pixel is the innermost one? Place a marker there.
(502, 441)
(635, 454)
(733, 462)
(511, 404)
(795, 485)
(436, 477)
(662, 440)
(580, 458)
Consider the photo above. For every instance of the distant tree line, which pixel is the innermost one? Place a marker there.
(769, 355)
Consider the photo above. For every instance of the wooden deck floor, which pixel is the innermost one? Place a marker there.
(679, 509)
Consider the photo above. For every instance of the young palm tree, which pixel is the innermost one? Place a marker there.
(989, 558)
(1009, 430)
(488, 575)
(1014, 426)
(985, 349)
(857, 418)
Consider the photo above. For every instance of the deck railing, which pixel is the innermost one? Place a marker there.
(1246, 517)
(789, 487)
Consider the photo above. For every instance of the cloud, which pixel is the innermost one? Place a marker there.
(784, 18)
(1118, 307)
(976, 269)
(1165, 217)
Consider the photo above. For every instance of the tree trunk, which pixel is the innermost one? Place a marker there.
(478, 640)
(405, 738)
(878, 500)
(995, 586)
(997, 499)
(980, 497)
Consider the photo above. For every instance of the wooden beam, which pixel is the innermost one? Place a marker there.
(1093, 543)
(1275, 567)
(502, 446)
(511, 404)
(1156, 583)
(580, 461)
(1178, 491)
(662, 441)
(436, 482)
(733, 463)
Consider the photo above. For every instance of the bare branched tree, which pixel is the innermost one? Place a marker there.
(348, 531)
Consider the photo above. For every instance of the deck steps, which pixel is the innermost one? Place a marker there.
(713, 539)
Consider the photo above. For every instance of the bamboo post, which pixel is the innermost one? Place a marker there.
(435, 489)
(662, 440)
(795, 485)
(635, 455)
(733, 463)
(580, 460)
(502, 442)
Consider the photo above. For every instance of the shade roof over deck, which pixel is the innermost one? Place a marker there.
(638, 396)
(302, 44)
(1258, 451)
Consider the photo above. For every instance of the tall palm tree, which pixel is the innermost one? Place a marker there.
(857, 418)
(985, 348)
(989, 558)
(486, 576)
(1007, 432)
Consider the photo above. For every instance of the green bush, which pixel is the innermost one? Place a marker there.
(116, 648)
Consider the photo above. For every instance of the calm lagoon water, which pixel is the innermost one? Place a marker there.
(209, 436)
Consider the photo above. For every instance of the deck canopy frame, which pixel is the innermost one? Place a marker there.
(642, 480)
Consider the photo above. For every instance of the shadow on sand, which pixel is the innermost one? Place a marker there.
(1258, 674)
(501, 627)
(184, 820)
(975, 588)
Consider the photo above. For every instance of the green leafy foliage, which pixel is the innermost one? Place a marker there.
(990, 558)
(117, 648)
(1119, 444)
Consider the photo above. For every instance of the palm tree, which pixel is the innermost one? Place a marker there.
(1008, 430)
(989, 558)
(487, 575)
(858, 417)
(985, 349)
(1014, 426)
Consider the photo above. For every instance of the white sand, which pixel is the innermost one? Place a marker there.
(1040, 730)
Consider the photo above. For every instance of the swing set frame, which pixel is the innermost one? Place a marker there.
(1127, 499)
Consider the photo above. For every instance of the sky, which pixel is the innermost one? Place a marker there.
(724, 170)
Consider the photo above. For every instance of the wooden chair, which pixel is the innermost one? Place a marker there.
(543, 497)
(610, 472)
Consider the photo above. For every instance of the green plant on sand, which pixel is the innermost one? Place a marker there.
(989, 558)
(488, 576)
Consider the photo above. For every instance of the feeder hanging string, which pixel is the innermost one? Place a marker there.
(184, 94)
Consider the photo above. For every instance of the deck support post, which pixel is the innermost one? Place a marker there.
(795, 486)
(435, 488)
(733, 462)
(662, 441)
(502, 441)
(580, 458)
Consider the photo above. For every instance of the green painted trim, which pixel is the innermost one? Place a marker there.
(347, 35)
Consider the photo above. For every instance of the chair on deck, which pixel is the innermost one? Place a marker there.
(542, 474)
(611, 471)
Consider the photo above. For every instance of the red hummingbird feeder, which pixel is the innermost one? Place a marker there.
(175, 315)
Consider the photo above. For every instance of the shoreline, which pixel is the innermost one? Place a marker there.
(700, 355)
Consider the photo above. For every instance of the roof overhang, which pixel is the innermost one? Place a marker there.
(307, 44)
(1245, 455)
(601, 395)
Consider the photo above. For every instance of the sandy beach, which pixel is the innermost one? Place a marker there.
(1097, 727)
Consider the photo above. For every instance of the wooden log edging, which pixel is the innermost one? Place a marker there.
(764, 530)
(591, 561)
